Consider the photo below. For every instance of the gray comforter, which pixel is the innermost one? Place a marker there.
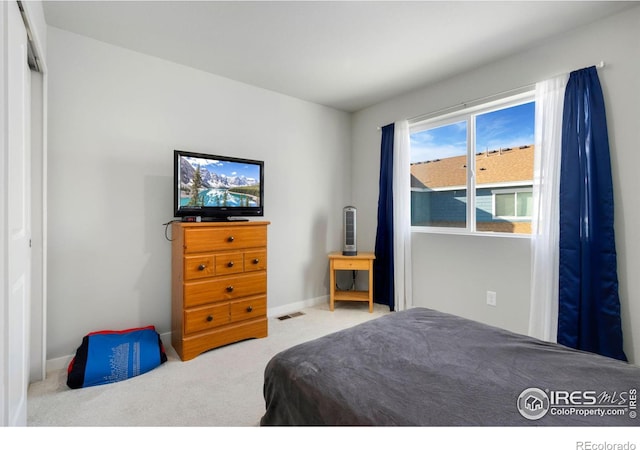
(421, 367)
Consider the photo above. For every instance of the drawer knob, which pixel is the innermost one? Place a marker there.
(230, 264)
(209, 318)
(201, 267)
(249, 308)
(229, 288)
(256, 260)
(231, 239)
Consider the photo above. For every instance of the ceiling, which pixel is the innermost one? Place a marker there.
(344, 54)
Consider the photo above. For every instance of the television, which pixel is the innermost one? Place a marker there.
(211, 187)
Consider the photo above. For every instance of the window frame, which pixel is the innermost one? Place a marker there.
(468, 112)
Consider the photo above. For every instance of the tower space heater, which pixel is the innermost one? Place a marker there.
(349, 231)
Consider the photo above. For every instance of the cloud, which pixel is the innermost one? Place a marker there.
(505, 128)
(439, 143)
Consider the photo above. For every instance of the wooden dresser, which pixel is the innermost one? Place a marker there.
(218, 283)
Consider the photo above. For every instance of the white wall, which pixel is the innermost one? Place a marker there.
(453, 273)
(115, 117)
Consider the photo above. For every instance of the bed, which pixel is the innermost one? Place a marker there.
(422, 367)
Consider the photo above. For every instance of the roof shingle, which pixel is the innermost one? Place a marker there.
(497, 166)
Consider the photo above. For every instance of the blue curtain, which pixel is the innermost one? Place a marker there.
(383, 280)
(589, 306)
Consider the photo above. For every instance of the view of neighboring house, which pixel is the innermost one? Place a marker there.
(503, 191)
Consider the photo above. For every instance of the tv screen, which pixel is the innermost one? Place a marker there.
(214, 187)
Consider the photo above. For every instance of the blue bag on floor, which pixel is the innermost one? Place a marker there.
(110, 356)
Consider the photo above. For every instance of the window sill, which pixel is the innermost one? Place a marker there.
(454, 232)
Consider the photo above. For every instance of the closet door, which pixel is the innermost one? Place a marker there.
(17, 236)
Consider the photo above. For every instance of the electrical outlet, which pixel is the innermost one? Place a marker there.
(491, 298)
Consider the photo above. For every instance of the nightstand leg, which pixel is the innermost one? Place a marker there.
(332, 286)
(370, 286)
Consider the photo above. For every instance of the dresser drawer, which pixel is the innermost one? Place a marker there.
(200, 266)
(248, 308)
(255, 260)
(192, 345)
(205, 318)
(198, 240)
(229, 263)
(351, 264)
(224, 288)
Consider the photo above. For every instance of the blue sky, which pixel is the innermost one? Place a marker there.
(228, 168)
(510, 127)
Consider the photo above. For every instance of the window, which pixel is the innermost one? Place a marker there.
(472, 171)
(512, 204)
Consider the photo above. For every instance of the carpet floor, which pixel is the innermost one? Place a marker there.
(222, 387)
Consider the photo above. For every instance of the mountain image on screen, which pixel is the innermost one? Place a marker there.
(208, 182)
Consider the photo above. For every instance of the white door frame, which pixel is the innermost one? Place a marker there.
(3, 216)
(33, 17)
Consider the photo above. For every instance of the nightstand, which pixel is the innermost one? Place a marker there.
(361, 261)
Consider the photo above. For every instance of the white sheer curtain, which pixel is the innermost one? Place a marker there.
(402, 216)
(545, 230)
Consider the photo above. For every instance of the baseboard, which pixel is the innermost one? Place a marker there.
(293, 307)
(57, 364)
(53, 365)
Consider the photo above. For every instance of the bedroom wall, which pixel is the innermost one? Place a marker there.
(453, 273)
(115, 117)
